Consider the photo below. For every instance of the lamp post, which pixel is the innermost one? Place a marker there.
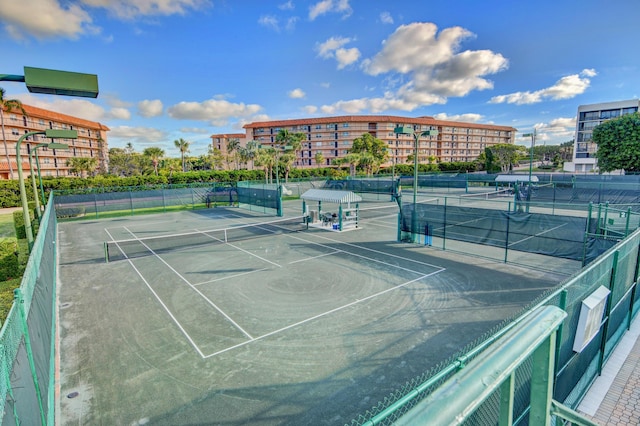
(49, 133)
(409, 130)
(533, 143)
(52, 145)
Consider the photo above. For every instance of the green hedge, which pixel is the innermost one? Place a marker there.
(10, 190)
(9, 264)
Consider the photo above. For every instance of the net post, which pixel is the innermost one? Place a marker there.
(106, 252)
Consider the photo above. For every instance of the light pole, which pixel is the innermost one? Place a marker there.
(533, 143)
(409, 130)
(49, 133)
(52, 145)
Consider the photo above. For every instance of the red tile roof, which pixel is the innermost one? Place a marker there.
(373, 118)
(32, 111)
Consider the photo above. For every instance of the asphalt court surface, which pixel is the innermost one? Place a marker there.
(313, 327)
(252, 289)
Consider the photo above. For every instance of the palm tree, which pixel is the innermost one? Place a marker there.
(319, 158)
(232, 147)
(82, 166)
(265, 158)
(155, 154)
(183, 146)
(8, 104)
(248, 153)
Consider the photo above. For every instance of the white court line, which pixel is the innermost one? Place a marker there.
(232, 276)
(280, 330)
(361, 256)
(315, 257)
(375, 251)
(239, 248)
(195, 289)
(184, 332)
(538, 234)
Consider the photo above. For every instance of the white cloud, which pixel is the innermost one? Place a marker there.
(310, 109)
(332, 48)
(58, 18)
(150, 108)
(81, 108)
(291, 23)
(119, 114)
(297, 94)
(347, 56)
(386, 18)
(269, 21)
(330, 6)
(467, 118)
(566, 88)
(417, 79)
(557, 130)
(130, 9)
(327, 49)
(286, 6)
(141, 135)
(51, 20)
(218, 112)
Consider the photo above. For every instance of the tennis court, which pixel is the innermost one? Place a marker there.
(279, 325)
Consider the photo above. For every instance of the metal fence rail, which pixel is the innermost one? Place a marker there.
(617, 270)
(26, 337)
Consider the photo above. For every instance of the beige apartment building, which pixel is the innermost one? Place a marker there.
(333, 137)
(91, 142)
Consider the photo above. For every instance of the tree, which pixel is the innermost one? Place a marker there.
(265, 158)
(9, 105)
(506, 155)
(319, 158)
(248, 153)
(618, 143)
(232, 149)
(82, 166)
(215, 158)
(154, 154)
(373, 151)
(183, 147)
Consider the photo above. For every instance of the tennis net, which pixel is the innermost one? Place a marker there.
(139, 247)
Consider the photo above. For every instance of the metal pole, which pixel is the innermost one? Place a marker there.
(40, 179)
(414, 214)
(23, 192)
(33, 182)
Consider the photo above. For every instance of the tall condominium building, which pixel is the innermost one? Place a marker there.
(91, 142)
(221, 141)
(332, 137)
(589, 116)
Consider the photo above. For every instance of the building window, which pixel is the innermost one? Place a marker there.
(345, 124)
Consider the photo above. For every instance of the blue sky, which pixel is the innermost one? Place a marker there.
(170, 69)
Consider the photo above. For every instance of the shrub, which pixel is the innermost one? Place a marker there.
(9, 265)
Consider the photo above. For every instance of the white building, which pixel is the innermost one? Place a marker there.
(589, 116)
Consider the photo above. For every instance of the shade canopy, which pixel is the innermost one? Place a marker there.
(331, 196)
(515, 178)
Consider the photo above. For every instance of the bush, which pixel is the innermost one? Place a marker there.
(6, 296)
(70, 212)
(9, 265)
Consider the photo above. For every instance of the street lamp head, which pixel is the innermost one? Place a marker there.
(52, 82)
(56, 145)
(403, 130)
(61, 134)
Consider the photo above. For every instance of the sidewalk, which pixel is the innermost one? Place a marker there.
(614, 398)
